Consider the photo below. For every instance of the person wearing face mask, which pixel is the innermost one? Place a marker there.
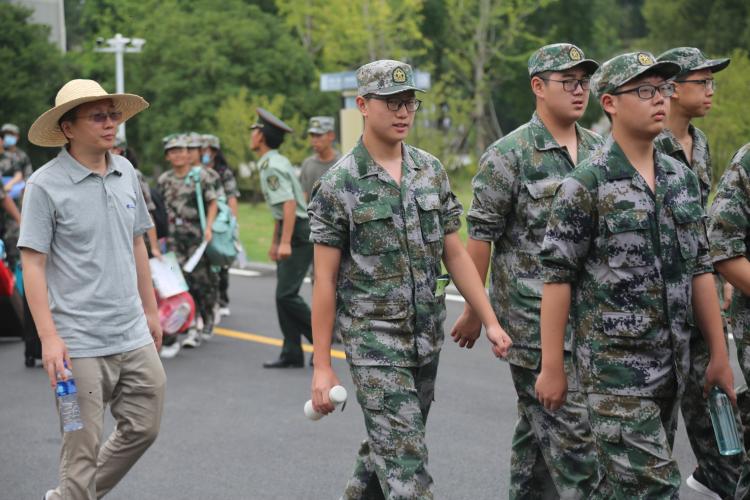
(15, 167)
(213, 159)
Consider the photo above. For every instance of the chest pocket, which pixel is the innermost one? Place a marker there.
(374, 230)
(688, 226)
(629, 242)
(540, 200)
(429, 217)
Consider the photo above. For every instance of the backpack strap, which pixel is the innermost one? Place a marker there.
(195, 175)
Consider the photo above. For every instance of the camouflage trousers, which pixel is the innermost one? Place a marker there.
(634, 437)
(742, 491)
(392, 461)
(553, 453)
(203, 282)
(721, 472)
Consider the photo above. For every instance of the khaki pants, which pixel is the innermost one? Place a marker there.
(132, 384)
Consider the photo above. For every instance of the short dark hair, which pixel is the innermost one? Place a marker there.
(68, 116)
(272, 138)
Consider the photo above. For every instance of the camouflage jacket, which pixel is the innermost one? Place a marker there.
(513, 191)
(182, 205)
(630, 255)
(228, 181)
(391, 240)
(668, 144)
(15, 161)
(146, 191)
(729, 230)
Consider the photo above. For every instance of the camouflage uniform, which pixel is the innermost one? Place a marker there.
(186, 235)
(391, 240)
(728, 233)
(630, 255)
(513, 190)
(12, 162)
(717, 472)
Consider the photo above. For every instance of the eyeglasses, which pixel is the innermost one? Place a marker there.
(571, 84)
(115, 116)
(646, 92)
(394, 104)
(708, 83)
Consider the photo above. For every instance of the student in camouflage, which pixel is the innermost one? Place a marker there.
(290, 246)
(729, 232)
(694, 88)
(15, 166)
(185, 234)
(513, 190)
(213, 159)
(382, 221)
(626, 253)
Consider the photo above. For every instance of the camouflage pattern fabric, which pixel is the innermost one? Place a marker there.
(559, 57)
(668, 144)
(228, 182)
(561, 439)
(513, 190)
(634, 436)
(692, 59)
(395, 401)
(185, 233)
(15, 161)
(631, 255)
(626, 67)
(391, 239)
(321, 125)
(720, 473)
(146, 191)
(729, 229)
(385, 77)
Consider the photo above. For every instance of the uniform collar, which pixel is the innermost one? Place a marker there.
(366, 166)
(543, 140)
(617, 166)
(78, 172)
(267, 156)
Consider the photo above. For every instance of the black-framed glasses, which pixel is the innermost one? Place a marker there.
(571, 84)
(115, 116)
(708, 83)
(394, 104)
(646, 92)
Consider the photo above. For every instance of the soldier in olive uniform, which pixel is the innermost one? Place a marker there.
(626, 252)
(290, 248)
(213, 159)
(694, 88)
(729, 232)
(513, 191)
(178, 189)
(382, 221)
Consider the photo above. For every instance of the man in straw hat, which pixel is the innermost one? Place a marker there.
(89, 286)
(626, 252)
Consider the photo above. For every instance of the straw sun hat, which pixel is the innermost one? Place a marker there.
(46, 132)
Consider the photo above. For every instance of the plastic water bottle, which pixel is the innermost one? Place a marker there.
(725, 426)
(337, 394)
(67, 398)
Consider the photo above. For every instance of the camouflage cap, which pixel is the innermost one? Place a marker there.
(321, 125)
(385, 77)
(559, 57)
(10, 127)
(692, 59)
(194, 139)
(619, 70)
(174, 141)
(211, 141)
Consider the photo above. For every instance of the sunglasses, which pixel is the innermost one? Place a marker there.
(115, 116)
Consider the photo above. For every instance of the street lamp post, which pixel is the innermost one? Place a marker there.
(120, 45)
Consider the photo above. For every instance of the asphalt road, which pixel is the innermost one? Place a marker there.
(232, 429)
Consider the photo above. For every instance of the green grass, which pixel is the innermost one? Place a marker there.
(256, 222)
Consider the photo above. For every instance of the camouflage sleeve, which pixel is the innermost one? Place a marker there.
(211, 189)
(329, 223)
(146, 191)
(493, 193)
(26, 167)
(729, 216)
(229, 183)
(570, 232)
(451, 207)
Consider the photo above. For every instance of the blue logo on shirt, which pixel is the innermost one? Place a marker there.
(129, 205)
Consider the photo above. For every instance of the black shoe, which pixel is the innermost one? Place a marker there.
(283, 363)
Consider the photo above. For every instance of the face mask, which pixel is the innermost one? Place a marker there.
(9, 140)
(206, 158)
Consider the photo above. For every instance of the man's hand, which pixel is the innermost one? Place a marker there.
(273, 252)
(323, 379)
(155, 252)
(728, 291)
(54, 355)
(467, 329)
(285, 251)
(154, 327)
(208, 234)
(500, 341)
(551, 389)
(719, 373)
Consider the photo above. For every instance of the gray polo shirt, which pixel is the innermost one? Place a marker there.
(86, 223)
